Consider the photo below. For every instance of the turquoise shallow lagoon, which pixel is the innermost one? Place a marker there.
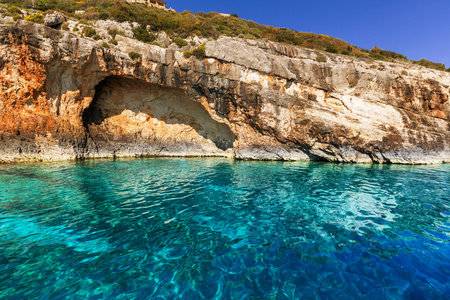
(216, 228)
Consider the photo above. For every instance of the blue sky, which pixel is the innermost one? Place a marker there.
(415, 28)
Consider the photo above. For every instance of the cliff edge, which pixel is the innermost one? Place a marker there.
(66, 97)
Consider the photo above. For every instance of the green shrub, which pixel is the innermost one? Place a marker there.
(256, 35)
(88, 31)
(36, 18)
(321, 58)
(65, 26)
(113, 32)
(288, 36)
(113, 41)
(96, 37)
(103, 16)
(44, 5)
(346, 52)
(156, 44)
(83, 21)
(198, 52)
(134, 55)
(105, 45)
(187, 54)
(331, 49)
(13, 10)
(180, 42)
(430, 64)
(143, 35)
(377, 56)
(166, 24)
(121, 16)
(182, 33)
(392, 54)
(235, 15)
(380, 54)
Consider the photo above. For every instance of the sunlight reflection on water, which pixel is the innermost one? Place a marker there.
(216, 228)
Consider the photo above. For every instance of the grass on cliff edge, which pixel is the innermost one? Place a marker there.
(209, 25)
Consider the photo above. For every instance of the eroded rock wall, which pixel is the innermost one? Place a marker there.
(129, 117)
(65, 97)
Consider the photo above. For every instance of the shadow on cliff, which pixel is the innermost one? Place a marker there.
(129, 112)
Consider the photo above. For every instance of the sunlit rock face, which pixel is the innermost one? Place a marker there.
(66, 97)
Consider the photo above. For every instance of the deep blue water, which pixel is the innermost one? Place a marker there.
(215, 228)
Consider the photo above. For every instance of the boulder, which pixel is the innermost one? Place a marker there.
(163, 39)
(54, 20)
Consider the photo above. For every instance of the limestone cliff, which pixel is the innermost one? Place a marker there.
(66, 97)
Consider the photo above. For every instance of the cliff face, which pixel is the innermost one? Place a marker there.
(65, 97)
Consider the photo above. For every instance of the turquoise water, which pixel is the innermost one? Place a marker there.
(215, 228)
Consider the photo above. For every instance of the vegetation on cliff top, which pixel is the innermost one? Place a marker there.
(209, 25)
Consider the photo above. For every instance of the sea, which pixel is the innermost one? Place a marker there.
(214, 228)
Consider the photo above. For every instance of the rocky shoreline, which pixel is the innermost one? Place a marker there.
(65, 97)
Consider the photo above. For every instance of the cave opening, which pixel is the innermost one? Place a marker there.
(138, 118)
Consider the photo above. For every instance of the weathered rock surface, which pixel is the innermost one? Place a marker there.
(107, 25)
(65, 97)
(6, 19)
(54, 19)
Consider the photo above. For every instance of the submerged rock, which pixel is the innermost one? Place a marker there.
(66, 97)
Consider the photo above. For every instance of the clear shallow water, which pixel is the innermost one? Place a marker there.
(214, 228)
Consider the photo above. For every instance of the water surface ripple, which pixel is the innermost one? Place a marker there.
(215, 228)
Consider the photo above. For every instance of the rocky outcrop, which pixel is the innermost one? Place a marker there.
(54, 20)
(66, 97)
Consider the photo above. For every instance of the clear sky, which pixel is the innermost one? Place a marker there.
(415, 28)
